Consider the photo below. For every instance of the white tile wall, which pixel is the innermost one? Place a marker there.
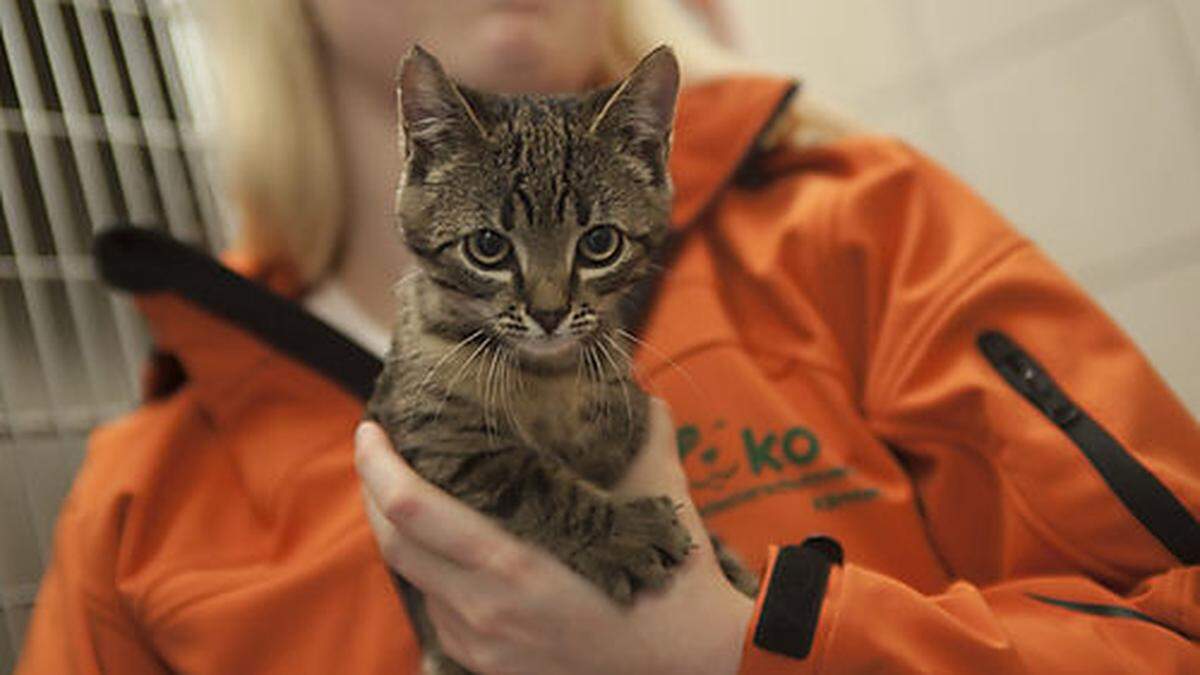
(1188, 14)
(955, 28)
(1092, 148)
(1162, 314)
(1079, 119)
(811, 39)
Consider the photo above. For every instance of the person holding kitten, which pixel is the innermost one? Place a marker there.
(936, 453)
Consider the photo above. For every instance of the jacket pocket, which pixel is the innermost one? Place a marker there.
(1146, 498)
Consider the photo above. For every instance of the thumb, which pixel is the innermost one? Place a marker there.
(655, 468)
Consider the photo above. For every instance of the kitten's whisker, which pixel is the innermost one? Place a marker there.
(630, 365)
(503, 383)
(621, 351)
(595, 377)
(481, 388)
(505, 388)
(512, 378)
(518, 374)
(488, 405)
(624, 388)
(598, 384)
(579, 367)
(403, 281)
(665, 359)
(495, 390)
(447, 356)
(462, 369)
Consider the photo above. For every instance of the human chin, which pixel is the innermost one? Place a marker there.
(515, 53)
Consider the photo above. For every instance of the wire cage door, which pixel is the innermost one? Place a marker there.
(100, 123)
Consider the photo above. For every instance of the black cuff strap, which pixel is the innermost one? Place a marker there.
(795, 592)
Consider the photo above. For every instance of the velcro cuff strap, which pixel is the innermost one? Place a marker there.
(791, 605)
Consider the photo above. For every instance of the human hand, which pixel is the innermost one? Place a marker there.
(502, 606)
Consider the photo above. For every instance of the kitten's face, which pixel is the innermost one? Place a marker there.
(534, 216)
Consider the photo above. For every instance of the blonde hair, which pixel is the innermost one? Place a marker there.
(278, 144)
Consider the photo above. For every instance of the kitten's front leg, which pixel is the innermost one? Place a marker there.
(622, 546)
(641, 543)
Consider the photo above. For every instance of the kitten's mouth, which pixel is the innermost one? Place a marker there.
(548, 347)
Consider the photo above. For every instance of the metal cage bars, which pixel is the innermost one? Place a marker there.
(96, 127)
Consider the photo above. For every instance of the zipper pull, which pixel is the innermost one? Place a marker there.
(1040, 389)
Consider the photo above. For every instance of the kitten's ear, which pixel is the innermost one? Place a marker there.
(431, 105)
(645, 100)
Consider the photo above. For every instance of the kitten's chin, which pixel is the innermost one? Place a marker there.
(548, 353)
(548, 347)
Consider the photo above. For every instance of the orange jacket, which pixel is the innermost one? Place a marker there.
(863, 350)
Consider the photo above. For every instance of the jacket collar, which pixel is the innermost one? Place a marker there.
(719, 125)
(223, 321)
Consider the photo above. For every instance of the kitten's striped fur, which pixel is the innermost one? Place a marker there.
(508, 384)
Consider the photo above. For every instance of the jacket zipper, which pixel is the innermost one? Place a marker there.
(1146, 498)
(1029, 379)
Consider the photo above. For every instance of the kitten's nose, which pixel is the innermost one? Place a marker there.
(548, 319)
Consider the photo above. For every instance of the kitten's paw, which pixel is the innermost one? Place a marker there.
(654, 521)
(646, 542)
(735, 571)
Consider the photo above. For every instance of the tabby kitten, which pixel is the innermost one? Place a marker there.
(534, 220)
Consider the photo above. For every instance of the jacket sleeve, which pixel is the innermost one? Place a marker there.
(1058, 475)
(79, 625)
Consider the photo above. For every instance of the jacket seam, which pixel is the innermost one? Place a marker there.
(104, 604)
(829, 237)
(121, 620)
(341, 543)
(908, 167)
(212, 395)
(792, 362)
(1030, 515)
(1178, 577)
(750, 154)
(940, 309)
(834, 601)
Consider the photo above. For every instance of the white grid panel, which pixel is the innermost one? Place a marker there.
(96, 128)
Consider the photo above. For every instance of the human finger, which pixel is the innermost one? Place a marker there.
(655, 468)
(456, 637)
(421, 511)
(431, 573)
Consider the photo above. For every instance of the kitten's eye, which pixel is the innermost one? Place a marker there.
(600, 245)
(487, 248)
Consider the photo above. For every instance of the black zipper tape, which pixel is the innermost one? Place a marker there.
(1113, 611)
(1139, 490)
